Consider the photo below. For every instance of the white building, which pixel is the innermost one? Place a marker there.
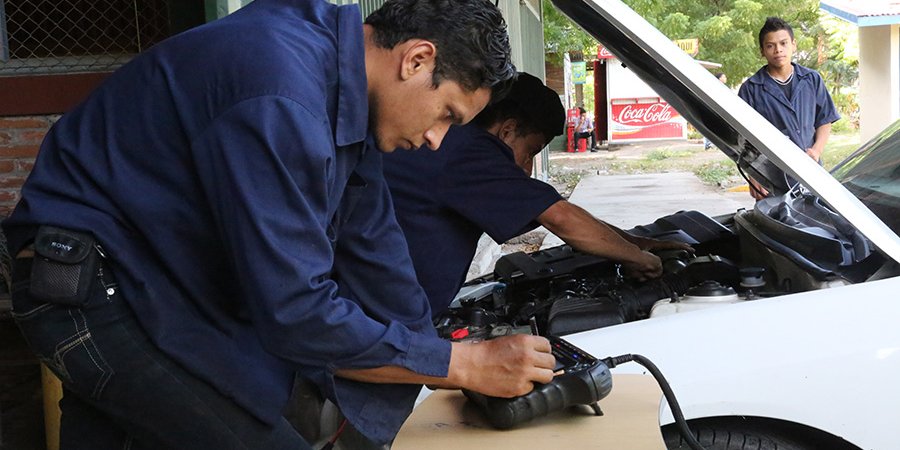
(879, 59)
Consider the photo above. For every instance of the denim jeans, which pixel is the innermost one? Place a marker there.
(119, 390)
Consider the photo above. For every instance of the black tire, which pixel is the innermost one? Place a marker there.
(734, 435)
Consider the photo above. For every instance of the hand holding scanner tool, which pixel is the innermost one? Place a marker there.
(584, 381)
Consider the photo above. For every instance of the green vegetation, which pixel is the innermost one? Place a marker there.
(718, 173)
(840, 146)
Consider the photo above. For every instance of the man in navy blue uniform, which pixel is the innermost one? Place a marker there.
(218, 215)
(480, 183)
(790, 96)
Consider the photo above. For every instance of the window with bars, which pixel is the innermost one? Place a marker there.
(67, 36)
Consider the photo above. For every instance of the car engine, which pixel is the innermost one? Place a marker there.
(781, 246)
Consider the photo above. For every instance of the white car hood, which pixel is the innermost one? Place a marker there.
(732, 125)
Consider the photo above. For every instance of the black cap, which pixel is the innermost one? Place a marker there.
(540, 104)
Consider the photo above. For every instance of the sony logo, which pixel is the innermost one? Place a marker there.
(61, 246)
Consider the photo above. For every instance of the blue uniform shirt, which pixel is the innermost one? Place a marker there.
(227, 174)
(809, 107)
(444, 201)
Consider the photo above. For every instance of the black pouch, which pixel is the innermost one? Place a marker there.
(65, 264)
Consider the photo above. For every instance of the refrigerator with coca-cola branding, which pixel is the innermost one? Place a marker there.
(633, 110)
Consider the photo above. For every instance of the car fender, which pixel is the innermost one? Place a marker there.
(828, 359)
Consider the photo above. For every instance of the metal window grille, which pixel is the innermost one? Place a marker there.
(65, 36)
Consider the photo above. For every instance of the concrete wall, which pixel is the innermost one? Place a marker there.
(879, 78)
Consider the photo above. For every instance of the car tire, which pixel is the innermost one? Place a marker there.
(733, 436)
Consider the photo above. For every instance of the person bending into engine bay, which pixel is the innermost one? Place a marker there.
(200, 203)
(480, 183)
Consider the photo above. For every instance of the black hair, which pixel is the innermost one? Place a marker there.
(534, 106)
(504, 110)
(470, 35)
(774, 24)
(581, 110)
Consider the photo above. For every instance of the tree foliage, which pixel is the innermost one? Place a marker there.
(728, 33)
(562, 35)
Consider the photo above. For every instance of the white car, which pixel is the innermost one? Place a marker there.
(783, 330)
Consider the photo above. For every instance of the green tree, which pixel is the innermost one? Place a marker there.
(728, 29)
(561, 35)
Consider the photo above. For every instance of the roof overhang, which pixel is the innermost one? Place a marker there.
(864, 13)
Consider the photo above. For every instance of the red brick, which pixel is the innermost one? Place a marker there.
(11, 181)
(5, 211)
(24, 165)
(22, 122)
(7, 166)
(5, 138)
(19, 151)
(8, 195)
(31, 137)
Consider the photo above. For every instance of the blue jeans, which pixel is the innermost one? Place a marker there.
(119, 390)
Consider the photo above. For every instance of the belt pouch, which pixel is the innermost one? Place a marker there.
(64, 265)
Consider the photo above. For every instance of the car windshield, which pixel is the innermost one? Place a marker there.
(872, 174)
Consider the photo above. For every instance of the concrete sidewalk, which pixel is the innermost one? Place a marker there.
(629, 200)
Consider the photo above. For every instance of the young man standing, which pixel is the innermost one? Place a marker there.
(790, 96)
(480, 183)
(213, 220)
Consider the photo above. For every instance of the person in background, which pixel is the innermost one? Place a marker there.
(790, 96)
(584, 129)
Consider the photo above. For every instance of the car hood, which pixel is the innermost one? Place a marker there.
(733, 126)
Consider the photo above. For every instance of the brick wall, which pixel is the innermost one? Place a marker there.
(555, 78)
(20, 138)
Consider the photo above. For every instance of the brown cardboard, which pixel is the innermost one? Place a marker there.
(447, 421)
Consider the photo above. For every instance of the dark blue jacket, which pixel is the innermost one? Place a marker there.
(809, 107)
(219, 170)
(446, 199)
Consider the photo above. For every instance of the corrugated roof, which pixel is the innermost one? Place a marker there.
(864, 12)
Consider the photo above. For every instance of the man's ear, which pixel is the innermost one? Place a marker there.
(507, 130)
(417, 55)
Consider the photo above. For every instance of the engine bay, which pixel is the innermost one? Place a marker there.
(766, 252)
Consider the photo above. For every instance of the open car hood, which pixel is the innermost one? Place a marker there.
(720, 115)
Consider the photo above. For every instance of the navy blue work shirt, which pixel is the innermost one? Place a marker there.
(809, 107)
(227, 174)
(445, 200)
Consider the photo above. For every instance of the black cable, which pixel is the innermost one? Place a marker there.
(667, 393)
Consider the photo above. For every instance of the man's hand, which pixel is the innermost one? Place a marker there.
(814, 153)
(757, 191)
(503, 367)
(650, 244)
(649, 266)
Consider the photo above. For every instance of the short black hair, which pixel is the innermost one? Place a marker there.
(470, 35)
(535, 108)
(774, 24)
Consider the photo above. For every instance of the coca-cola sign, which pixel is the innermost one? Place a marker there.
(643, 115)
(632, 119)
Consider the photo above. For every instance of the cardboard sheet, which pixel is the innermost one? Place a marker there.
(447, 421)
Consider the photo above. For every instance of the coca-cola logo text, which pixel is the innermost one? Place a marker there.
(645, 115)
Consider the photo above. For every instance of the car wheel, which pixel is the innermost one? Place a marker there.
(733, 436)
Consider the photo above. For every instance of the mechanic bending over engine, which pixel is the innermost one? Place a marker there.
(217, 176)
(479, 183)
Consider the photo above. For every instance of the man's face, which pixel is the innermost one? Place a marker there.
(414, 113)
(778, 48)
(525, 148)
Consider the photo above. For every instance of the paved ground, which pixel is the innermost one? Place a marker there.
(629, 200)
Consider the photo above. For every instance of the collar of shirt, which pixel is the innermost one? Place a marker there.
(353, 106)
(762, 74)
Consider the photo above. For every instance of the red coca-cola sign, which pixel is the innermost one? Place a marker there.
(644, 120)
(643, 115)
